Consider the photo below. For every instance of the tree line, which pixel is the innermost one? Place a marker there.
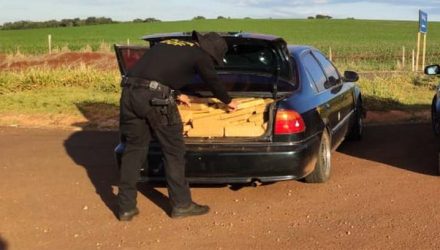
(98, 20)
(75, 22)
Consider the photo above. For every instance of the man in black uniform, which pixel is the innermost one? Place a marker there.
(148, 106)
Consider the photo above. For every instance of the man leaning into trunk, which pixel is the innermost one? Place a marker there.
(148, 105)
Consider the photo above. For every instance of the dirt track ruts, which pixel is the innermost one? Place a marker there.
(57, 192)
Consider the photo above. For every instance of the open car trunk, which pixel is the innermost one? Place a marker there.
(208, 118)
(251, 75)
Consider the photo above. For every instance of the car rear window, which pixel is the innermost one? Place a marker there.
(251, 57)
(250, 65)
(243, 82)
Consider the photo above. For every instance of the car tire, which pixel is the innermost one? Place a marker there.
(435, 119)
(322, 170)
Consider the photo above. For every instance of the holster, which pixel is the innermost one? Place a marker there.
(167, 108)
(161, 102)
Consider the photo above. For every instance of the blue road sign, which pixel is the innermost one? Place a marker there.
(423, 22)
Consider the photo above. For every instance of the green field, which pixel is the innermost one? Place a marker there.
(358, 45)
(374, 44)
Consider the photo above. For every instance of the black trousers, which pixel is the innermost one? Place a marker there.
(138, 120)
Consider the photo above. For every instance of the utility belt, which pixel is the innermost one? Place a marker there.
(166, 93)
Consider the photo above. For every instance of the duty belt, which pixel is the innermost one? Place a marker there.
(166, 92)
(149, 84)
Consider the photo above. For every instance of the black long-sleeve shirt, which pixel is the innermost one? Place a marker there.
(174, 63)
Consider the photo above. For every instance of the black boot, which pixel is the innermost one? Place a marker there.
(193, 210)
(128, 215)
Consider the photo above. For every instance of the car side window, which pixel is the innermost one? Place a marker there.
(329, 69)
(293, 69)
(314, 70)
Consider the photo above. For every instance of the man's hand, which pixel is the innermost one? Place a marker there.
(232, 106)
(184, 99)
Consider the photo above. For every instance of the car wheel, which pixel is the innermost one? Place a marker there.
(435, 118)
(358, 127)
(323, 165)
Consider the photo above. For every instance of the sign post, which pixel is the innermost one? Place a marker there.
(423, 29)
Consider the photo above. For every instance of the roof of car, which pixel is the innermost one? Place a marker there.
(298, 49)
(295, 49)
(224, 34)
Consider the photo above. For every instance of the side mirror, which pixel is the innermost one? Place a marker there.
(351, 76)
(432, 69)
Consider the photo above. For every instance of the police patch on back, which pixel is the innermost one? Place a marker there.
(177, 42)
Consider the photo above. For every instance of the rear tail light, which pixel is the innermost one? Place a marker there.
(288, 122)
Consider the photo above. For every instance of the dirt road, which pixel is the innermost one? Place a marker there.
(57, 192)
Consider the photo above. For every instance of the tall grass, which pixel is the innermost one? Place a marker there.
(34, 79)
(60, 90)
(401, 91)
(57, 91)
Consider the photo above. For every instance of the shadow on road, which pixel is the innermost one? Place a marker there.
(3, 244)
(94, 150)
(149, 191)
(99, 115)
(412, 147)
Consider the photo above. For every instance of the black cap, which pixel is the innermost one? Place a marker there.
(213, 44)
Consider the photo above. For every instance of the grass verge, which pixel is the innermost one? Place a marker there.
(89, 97)
(398, 91)
(55, 100)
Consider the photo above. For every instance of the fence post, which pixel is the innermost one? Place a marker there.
(403, 56)
(128, 41)
(413, 61)
(330, 54)
(49, 40)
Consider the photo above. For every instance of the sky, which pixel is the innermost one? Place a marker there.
(170, 10)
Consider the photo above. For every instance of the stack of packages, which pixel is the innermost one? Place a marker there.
(208, 117)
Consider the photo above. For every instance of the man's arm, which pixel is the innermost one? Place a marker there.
(206, 70)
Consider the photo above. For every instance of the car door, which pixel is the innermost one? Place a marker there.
(333, 101)
(342, 101)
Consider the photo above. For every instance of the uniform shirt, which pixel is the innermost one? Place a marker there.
(174, 63)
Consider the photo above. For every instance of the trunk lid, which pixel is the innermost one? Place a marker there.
(127, 56)
(261, 56)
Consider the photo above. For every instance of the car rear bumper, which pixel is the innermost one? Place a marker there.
(238, 163)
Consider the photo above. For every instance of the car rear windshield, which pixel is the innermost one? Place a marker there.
(243, 82)
(253, 56)
(250, 66)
